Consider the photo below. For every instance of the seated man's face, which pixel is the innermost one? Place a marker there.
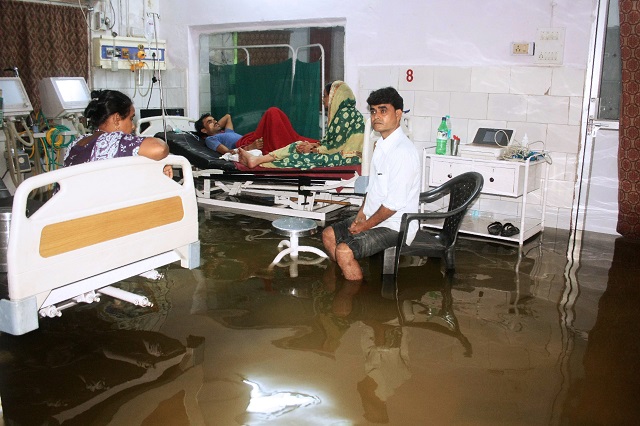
(211, 126)
(384, 118)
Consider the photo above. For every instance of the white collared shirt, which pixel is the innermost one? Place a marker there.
(394, 180)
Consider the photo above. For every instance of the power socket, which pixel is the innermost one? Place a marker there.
(550, 46)
(522, 48)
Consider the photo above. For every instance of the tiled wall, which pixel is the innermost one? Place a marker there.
(174, 83)
(545, 103)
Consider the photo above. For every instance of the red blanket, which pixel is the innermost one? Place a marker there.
(276, 131)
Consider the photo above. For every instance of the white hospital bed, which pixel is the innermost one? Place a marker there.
(292, 195)
(108, 221)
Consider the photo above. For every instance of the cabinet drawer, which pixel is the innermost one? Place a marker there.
(499, 180)
(500, 177)
(442, 171)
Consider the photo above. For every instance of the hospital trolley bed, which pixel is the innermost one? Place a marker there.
(316, 194)
(106, 221)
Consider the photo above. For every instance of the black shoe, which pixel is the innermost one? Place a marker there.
(495, 228)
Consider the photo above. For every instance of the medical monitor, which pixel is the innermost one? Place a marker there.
(15, 99)
(61, 96)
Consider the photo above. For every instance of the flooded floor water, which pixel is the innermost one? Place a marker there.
(530, 337)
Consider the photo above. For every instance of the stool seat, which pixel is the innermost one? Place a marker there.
(289, 226)
(294, 228)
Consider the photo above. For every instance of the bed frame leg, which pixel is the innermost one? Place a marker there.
(18, 317)
(190, 255)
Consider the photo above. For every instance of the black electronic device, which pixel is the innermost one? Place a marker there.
(493, 137)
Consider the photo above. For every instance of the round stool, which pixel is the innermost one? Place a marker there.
(294, 228)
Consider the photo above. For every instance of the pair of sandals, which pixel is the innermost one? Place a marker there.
(506, 230)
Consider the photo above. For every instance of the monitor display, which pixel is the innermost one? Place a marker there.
(61, 96)
(15, 99)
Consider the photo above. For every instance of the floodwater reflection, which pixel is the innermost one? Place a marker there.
(513, 337)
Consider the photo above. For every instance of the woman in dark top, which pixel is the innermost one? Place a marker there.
(111, 114)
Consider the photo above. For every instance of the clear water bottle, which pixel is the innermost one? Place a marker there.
(449, 138)
(442, 137)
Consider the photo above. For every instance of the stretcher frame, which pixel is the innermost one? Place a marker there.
(109, 220)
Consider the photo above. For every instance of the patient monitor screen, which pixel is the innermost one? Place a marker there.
(16, 102)
(63, 95)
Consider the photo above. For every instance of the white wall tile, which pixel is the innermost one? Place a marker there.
(423, 145)
(452, 79)
(563, 138)
(459, 127)
(558, 167)
(536, 133)
(176, 78)
(204, 104)
(377, 77)
(469, 105)
(432, 103)
(530, 80)
(408, 98)
(203, 83)
(548, 109)
(490, 79)
(560, 193)
(575, 110)
(571, 167)
(563, 218)
(361, 101)
(507, 107)
(421, 129)
(422, 79)
(118, 80)
(567, 81)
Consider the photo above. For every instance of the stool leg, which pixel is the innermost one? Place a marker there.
(280, 255)
(294, 247)
(284, 243)
(312, 250)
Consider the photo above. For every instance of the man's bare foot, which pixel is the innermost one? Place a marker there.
(247, 159)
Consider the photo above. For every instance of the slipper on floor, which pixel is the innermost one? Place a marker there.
(508, 230)
(495, 228)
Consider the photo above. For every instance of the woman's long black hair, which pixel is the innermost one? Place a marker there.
(103, 104)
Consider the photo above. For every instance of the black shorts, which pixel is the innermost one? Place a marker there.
(366, 243)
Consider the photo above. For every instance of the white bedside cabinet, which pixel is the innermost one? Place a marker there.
(506, 183)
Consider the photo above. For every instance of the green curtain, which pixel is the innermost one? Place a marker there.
(306, 99)
(246, 92)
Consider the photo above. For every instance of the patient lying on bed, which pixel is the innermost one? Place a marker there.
(274, 131)
(341, 146)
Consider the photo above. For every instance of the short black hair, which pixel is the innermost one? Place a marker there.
(200, 123)
(386, 95)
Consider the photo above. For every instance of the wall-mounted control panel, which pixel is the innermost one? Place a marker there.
(128, 53)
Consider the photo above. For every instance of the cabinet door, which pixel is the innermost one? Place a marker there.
(499, 180)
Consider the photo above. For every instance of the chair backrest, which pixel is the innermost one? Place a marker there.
(463, 190)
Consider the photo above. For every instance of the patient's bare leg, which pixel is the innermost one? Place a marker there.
(252, 161)
(257, 144)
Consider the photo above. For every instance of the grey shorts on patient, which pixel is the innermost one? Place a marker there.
(365, 243)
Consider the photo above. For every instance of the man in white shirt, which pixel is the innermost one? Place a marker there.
(394, 189)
